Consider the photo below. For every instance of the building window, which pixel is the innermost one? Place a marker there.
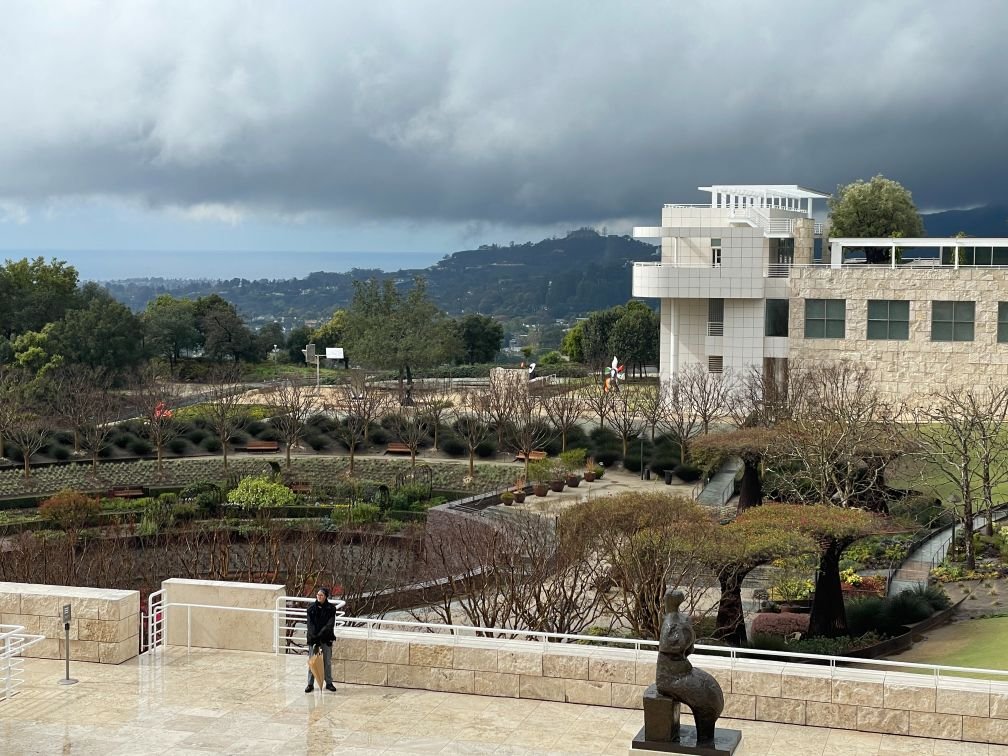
(1002, 322)
(776, 319)
(715, 363)
(888, 320)
(715, 253)
(825, 318)
(952, 321)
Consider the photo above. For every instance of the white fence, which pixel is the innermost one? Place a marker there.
(14, 640)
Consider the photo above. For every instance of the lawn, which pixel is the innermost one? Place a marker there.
(912, 474)
(979, 643)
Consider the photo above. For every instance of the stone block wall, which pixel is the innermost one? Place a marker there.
(812, 695)
(221, 628)
(905, 369)
(104, 627)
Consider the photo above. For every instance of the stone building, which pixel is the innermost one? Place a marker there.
(747, 280)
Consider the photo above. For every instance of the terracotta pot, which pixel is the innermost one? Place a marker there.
(573, 480)
(556, 485)
(540, 489)
(519, 496)
(589, 477)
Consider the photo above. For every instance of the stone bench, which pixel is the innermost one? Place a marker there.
(104, 627)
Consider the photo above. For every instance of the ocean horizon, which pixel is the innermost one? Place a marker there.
(113, 265)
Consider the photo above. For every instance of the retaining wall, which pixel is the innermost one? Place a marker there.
(804, 694)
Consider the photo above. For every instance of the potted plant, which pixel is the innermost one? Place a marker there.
(558, 476)
(519, 490)
(599, 471)
(540, 472)
(506, 498)
(572, 460)
(589, 470)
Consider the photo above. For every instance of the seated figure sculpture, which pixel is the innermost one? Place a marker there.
(677, 682)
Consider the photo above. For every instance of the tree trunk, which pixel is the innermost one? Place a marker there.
(472, 462)
(829, 617)
(352, 446)
(224, 449)
(730, 619)
(751, 488)
(288, 454)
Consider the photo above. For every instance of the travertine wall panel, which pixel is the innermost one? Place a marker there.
(104, 624)
(905, 369)
(221, 628)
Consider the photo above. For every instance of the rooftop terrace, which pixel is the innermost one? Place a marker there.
(213, 701)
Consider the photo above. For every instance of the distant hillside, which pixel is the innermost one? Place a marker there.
(991, 220)
(556, 278)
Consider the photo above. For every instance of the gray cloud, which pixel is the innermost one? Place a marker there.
(517, 113)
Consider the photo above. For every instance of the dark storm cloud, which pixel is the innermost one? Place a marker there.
(510, 113)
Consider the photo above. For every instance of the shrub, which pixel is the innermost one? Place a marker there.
(378, 435)
(258, 492)
(64, 437)
(177, 445)
(577, 438)
(212, 444)
(322, 423)
(902, 609)
(768, 642)
(141, 447)
(922, 509)
(486, 448)
(196, 435)
(269, 433)
(255, 427)
(781, 624)
(365, 513)
(239, 437)
(451, 444)
(184, 511)
(686, 473)
(122, 440)
(607, 457)
(208, 503)
(60, 453)
(660, 464)
(318, 442)
(935, 595)
(605, 437)
(69, 509)
(168, 497)
(862, 614)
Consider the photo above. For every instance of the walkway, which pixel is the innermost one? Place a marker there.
(238, 702)
(721, 486)
(917, 566)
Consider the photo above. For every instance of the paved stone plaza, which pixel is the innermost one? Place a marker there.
(239, 702)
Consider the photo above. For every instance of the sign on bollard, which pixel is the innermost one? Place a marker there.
(67, 680)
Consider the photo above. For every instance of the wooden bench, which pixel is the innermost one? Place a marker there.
(397, 448)
(262, 446)
(125, 492)
(300, 487)
(533, 456)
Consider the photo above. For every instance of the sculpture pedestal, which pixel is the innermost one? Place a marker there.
(725, 743)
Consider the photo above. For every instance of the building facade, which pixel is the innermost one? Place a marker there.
(747, 280)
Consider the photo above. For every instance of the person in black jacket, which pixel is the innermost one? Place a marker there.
(320, 633)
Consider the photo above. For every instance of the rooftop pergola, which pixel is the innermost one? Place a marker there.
(764, 196)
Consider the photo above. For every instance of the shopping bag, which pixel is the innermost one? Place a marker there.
(315, 665)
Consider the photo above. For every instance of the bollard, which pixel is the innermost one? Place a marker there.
(67, 680)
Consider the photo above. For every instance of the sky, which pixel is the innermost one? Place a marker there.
(364, 133)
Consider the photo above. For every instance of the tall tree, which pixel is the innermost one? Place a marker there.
(170, 328)
(33, 293)
(225, 336)
(481, 337)
(634, 336)
(878, 208)
(596, 336)
(100, 333)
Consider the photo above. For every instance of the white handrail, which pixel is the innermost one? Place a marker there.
(158, 615)
(13, 641)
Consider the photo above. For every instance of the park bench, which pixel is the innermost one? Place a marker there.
(397, 448)
(533, 456)
(262, 446)
(125, 492)
(300, 487)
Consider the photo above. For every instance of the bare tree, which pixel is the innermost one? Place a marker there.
(71, 391)
(598, 398)
(30, 431)
(411, 427)
(708, 393)
(99, 416)
(679, 416)
(960, 433)
(356, 405)
(156, 398)
(435, 401)
(651, 403)
(472, 423)
(13, 387)
(625, 419)
(497, 401)
(528, 427)
(222, 405)
(295, 403)
(564, 405)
